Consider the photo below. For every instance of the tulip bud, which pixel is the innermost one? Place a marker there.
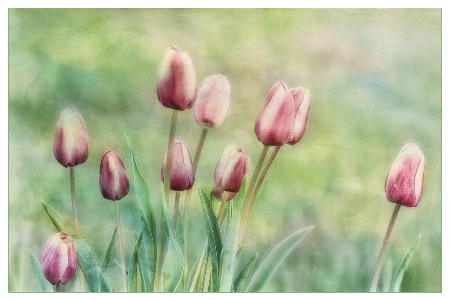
(218, 193)
(212, 101)
(59, 261)
(276, 119)
(177, 86)
(113, 178)
(301, 110)
(182, 171)
(71, 139)
(404, 182)
(231, 169)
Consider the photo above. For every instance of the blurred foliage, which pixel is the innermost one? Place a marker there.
(375, 80)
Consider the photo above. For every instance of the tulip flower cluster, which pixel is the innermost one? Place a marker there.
(71, 149)
(282, 120)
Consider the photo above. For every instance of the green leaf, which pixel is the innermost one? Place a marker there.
(107, 260)
(240, 250)
(88, 264)
(150, 255)
(214, 237)
(398, 277)
(242, 279)
(132, 265)
(270, 264)
(230, 245)
(42, 283)
(86, 258)
(148, 207)
(144, 268)
(105, 286)
(59, 223)
(194, 275)
(173, 266)
(179, 230)
(204, 283)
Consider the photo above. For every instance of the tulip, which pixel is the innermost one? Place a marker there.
(59, 261)
(231, 169)
(113, 178)
(177, 85)
(212, 101)
(301, 108)
(403, 186)
(71, 139)
(114, 186)
(182, 173)
(275, 121)
(404, 182)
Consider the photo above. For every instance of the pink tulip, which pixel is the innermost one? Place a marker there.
(404, 182)
(71, 139)
(182, 171)
(114, 183)
(177, 86)
(231, 169)
(212, 101)
(59, 261)
(275, 121)
(301, 108)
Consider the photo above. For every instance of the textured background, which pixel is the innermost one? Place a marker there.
(375, 81)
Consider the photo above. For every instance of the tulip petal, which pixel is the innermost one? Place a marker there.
(301, 98)
(222, 164)
(71, 262)
(418, 182)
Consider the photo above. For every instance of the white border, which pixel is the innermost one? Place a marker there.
(217, 4)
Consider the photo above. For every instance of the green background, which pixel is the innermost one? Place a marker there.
(375, 81)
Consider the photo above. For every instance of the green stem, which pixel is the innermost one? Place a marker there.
(75, 212)
(255, 175)
(175, 212)
(168, 169)
(221, 212)
(198, 152)
(74, 198)
(376, 274)
(262, 177)
(120, 246)
(249, 192)
(188, 196)
(58, 287)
